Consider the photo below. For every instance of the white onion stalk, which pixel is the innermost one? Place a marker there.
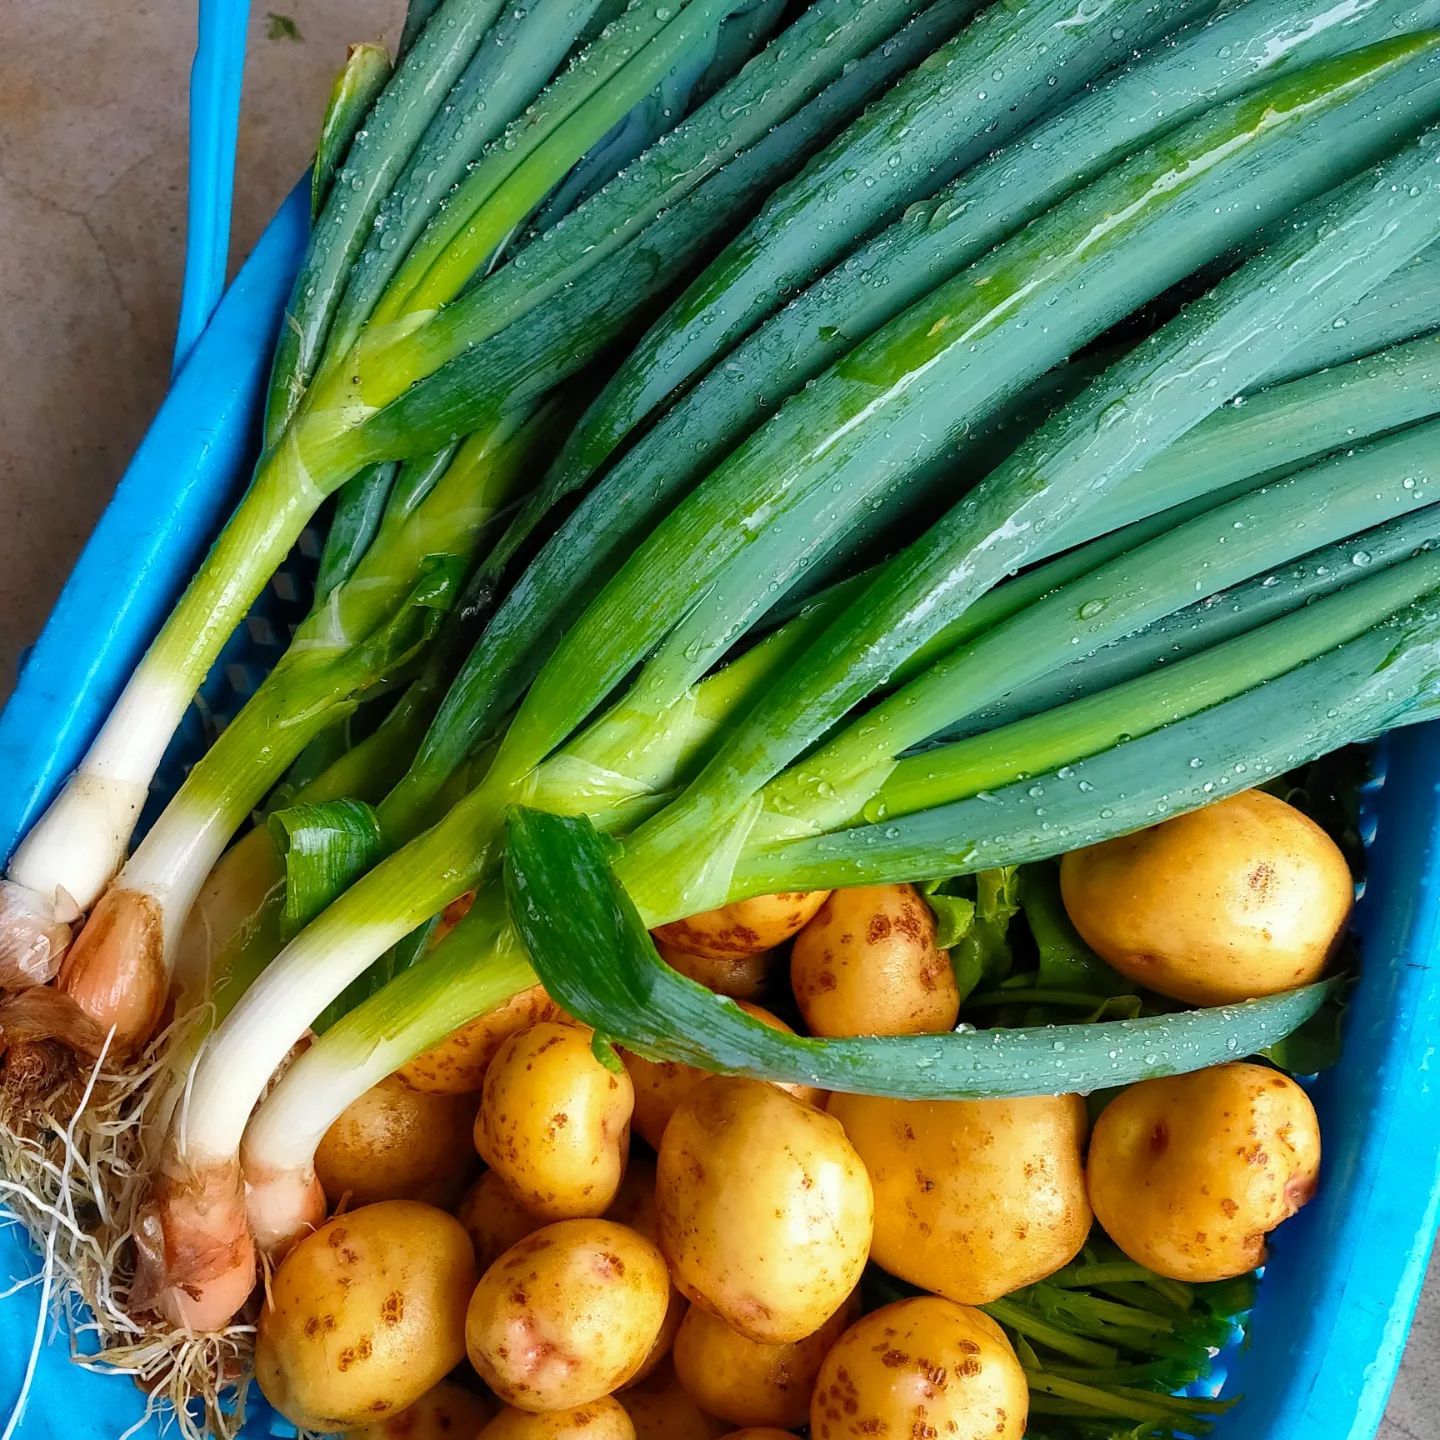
(620, 767)
(189, 1211)
(477, 967)
(120, 970)
(66, 860)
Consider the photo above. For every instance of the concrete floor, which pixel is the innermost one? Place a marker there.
(92, 134)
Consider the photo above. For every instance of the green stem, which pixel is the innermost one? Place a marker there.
(1126, 1403)
(1025, 1322)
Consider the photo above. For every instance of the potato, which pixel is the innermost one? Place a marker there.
(1243, 898)
(1188, 1175)
(973, 1198)
(567, 1315)
(921, 1367)
(635, 1206)
(766, 1212)
(365, 1315)
(494, 1219)
(601, 1419)
(394, 1143)
(867, 964)
(457, 1064)
(749, 1383)
(661, 1410)
(660, 1085)
(745, 928)
(448, 1412)
(742, 977)
(554, 1122)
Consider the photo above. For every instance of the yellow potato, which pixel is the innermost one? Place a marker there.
(457, 1064)
(494, 1219)
(766, 1211)
(742, 977)
(394, 1143)
(749, 1383)
(567, 1315)
(365, 1315)
(448, 1412)
(661, 1410)
(921, 1367)
(973, 1198)
(635, 1206)
(745, 928)
(1188, 1175)
(554, 1122)
(867, 964)
(1245, 897)
(601, 1419)
(661, 1085)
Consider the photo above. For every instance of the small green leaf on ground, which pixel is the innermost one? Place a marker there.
(281, 27)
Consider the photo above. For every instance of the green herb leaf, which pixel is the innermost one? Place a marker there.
(1315, 1046)
(954, 915)
(983, 953)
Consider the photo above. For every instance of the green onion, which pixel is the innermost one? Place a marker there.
(419, 1007)
(871, 287)
(1210, 60)
(509, 68)
(75, 849)
(373, 162)
(409, 886)
(1212, 621)
(625, 724)
(1355, 691)
(1405, 307)
(1188, 367)
(1229, 543)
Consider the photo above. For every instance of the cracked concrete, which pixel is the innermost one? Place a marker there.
(92, 132)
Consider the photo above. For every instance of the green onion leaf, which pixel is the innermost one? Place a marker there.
(363, 77)
(597, 960)
(324, 847)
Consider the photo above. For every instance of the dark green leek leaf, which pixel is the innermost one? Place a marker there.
(359, 507)
(417, 16)
(596, 958)
(374, 161)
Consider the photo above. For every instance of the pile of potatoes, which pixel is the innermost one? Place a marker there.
(703, 1279)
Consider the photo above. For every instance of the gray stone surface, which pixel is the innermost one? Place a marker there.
(92, 133)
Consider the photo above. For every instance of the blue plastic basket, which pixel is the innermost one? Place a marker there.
(1339, 1295)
